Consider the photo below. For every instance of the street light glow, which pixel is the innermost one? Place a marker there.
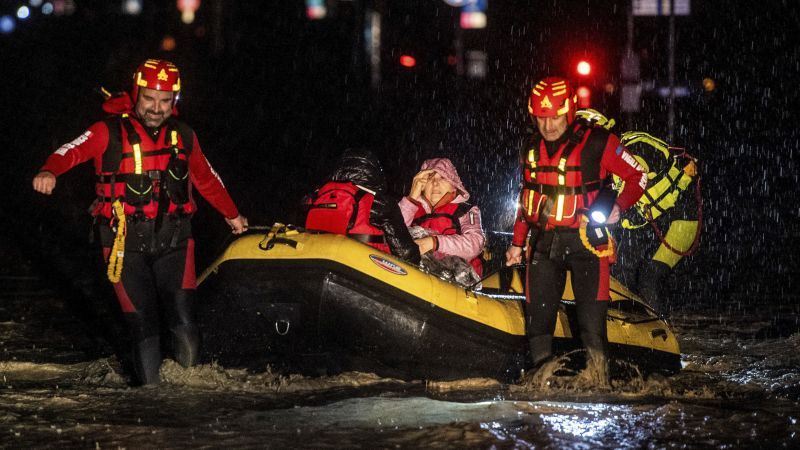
(7, 24)
(23, 12)
(584, 68)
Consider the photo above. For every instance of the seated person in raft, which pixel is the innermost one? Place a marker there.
(353, 202)
(445, 226)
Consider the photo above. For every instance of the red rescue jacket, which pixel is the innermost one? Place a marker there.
(109, 135)
(118, 164)
(559, 188)
(344, 208)
(445, 220)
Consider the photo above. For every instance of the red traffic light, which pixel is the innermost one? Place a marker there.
(584, 68)
(407, 61)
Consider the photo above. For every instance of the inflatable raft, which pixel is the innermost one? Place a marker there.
(321, 303)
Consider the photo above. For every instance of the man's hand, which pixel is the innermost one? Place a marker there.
(419, 182)
(238, 224)
(44, 182)
(425, 244)
(614, 216)
(513, 255)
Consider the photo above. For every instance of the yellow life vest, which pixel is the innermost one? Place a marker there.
(661, 193)
(664, 188)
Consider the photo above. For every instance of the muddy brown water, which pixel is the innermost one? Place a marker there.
(61, 388)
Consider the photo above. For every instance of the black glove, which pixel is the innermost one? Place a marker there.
(386, 215)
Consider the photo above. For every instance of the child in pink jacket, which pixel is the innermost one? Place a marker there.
(438, 203)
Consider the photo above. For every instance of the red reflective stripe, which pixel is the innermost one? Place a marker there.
(122, 297)
(189, 276)
(124, 301)
(603, 280)
(527, 280)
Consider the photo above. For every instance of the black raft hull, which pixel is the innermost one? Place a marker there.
(322, 304)
(317, 317)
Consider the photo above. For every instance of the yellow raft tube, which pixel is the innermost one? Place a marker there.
(322, 303)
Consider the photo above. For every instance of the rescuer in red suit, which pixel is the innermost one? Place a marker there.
(146, 163)
(565, 166)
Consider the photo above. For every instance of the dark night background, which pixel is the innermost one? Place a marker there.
(275, 98)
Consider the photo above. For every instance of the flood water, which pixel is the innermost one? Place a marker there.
(61, 387)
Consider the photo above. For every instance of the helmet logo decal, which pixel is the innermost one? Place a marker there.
(139, 80)
(546, 103)
(564, 109)
(162, 76)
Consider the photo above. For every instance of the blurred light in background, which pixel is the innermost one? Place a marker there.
(47, 9)
(709, 84)
(584, 68)
(187, 9)
(63, 7)
(476, 64)
(36, 3)
(584, 97)
(7, 24)
(23, 12)
(315, 9)
(473, 14)
(168, 43)
(132, 7)
(677, 91)
(610, 88)
(470, 20)
(408, 61)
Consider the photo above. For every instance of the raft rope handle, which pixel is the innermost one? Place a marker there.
(585, 240)
(117, 255)
(266, 242)
(272, 238)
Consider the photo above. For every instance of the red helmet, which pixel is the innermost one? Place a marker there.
(159, 75)
(552, 97)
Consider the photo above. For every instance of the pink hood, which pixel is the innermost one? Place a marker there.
(445, 168)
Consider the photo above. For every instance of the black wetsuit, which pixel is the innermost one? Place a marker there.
(158, 279)
(556, 253)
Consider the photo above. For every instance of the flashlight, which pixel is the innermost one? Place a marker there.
(602, 205)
